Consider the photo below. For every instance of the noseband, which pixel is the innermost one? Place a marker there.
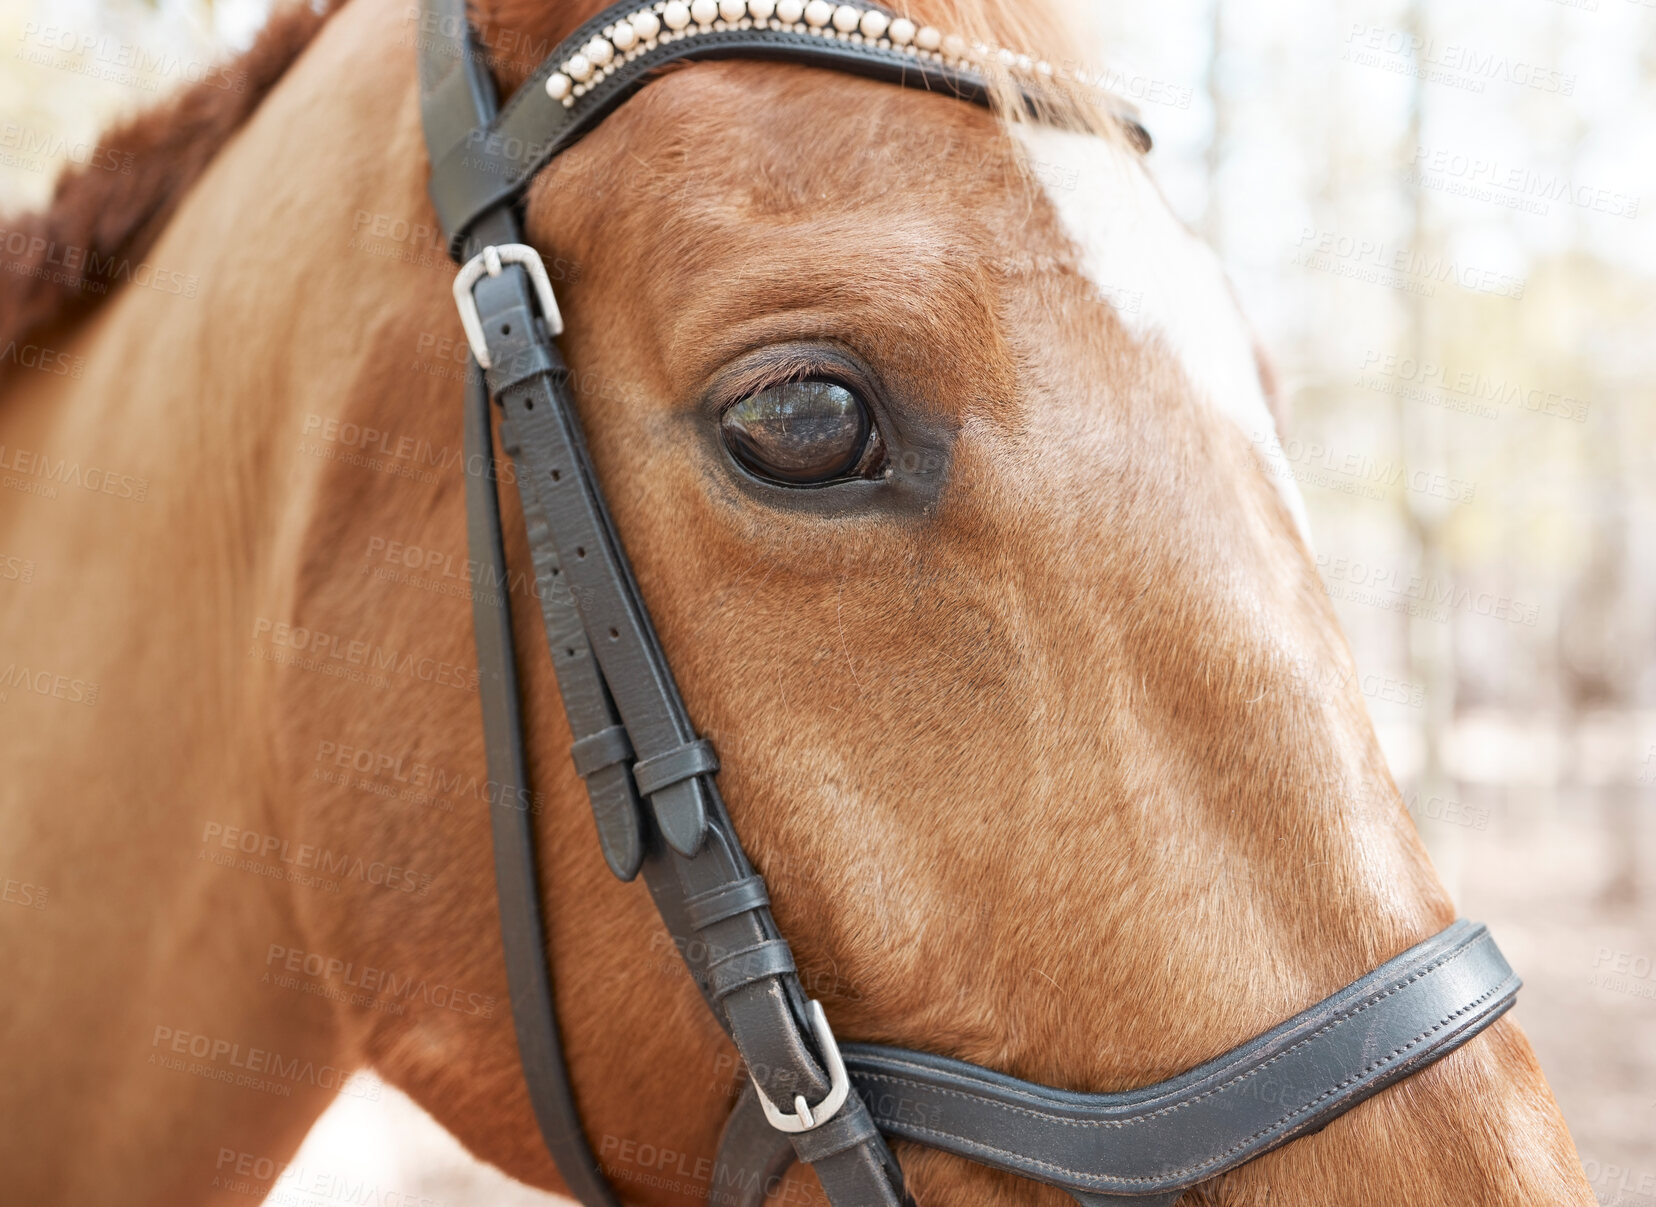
(651, 779)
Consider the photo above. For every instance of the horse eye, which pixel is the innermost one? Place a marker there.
(799, 433)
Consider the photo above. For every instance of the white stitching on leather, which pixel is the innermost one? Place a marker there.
(1094, 1179)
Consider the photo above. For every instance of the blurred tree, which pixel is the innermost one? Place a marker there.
(1596, 631)
(1213, 226)
(1422, 443)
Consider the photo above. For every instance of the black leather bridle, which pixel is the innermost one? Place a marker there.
(651, 779)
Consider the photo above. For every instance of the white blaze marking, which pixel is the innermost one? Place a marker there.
(1161, 279)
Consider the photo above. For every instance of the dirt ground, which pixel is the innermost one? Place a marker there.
(1552, 880)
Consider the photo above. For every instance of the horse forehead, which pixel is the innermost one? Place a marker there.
(839, 138)
(1166, 284)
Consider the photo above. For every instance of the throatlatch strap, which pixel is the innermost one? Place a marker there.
(534, 1015)
(529, 976)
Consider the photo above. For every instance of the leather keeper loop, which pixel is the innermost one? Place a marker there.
(664, 770)
(847, 1129)
(747, 965)
(599, 750)
(517, 366)
(726, 901)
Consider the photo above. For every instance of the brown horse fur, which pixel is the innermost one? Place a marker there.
(101, 221)
(1069, 774)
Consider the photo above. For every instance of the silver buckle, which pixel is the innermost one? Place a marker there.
(489, 261)
(805, 1117)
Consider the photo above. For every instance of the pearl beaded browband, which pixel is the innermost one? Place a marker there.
(667, 21)
(614, 54)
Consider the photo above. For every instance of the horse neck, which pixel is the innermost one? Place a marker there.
(196, 379)
(341, 459)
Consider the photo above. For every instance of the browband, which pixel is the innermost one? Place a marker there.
(652, 781)
(479, 166)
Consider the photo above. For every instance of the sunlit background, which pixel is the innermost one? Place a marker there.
(1443, 221)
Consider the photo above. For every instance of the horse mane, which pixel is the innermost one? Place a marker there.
(99, 220)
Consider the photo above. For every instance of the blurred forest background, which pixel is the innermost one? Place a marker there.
(1442, 219)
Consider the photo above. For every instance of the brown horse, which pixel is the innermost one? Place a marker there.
(1069, 775)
